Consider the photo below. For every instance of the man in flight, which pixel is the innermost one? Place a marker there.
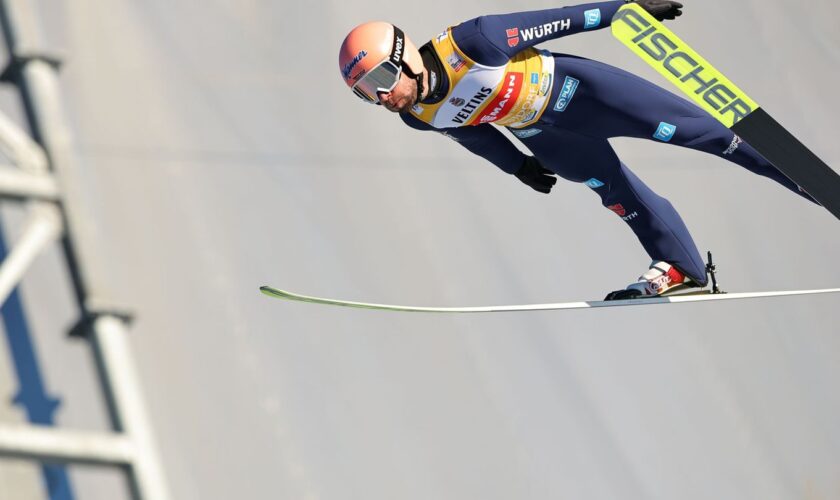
(486, 73)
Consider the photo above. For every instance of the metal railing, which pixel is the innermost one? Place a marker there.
(48, 182)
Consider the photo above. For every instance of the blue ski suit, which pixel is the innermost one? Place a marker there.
(589, 102)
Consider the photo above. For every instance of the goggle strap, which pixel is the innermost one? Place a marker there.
(398, 47)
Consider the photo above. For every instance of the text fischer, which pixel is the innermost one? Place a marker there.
(662, 48)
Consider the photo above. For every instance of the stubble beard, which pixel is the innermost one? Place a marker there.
(409, 96)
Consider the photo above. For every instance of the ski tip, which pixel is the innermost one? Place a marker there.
(272, 292)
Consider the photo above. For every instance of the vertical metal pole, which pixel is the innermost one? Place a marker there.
(110, 342)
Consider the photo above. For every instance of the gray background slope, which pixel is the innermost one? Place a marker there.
(223, 152)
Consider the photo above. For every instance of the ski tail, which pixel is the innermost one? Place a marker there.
(792, 158)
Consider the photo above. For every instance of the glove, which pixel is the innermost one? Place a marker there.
(535, 175)
(660, 9)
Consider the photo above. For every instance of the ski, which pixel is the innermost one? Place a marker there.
(711, 90)
(698, 296)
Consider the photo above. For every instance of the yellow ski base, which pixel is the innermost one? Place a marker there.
(681, 65)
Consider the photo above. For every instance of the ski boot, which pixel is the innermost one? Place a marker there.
(660, 279)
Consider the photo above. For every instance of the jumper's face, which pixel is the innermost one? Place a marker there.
(401, 98)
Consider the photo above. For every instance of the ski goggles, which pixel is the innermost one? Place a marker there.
(385, 75)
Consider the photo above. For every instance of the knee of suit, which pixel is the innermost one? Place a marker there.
(630, 192)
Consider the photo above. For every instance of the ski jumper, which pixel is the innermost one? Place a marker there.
(563, 108)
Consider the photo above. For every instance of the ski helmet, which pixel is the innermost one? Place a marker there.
(373, 56)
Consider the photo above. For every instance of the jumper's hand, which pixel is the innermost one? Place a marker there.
(535, 175)
(660, 9)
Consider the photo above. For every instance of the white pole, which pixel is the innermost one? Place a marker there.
(43, 228)
(111, 345)
(48, 444)
(17, 184)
